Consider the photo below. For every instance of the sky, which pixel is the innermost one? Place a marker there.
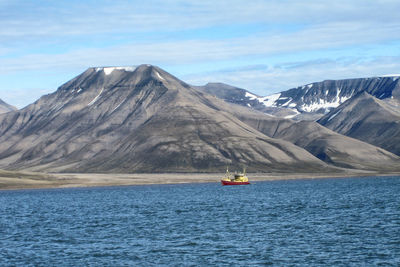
(264, 46)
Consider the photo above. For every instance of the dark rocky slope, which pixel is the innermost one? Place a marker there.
(327, 145)
(368, 119)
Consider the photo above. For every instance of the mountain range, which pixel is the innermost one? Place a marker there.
(311, 101)
(137, 120)
(143, 119)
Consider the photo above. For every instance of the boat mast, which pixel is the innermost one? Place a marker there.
(227, 174)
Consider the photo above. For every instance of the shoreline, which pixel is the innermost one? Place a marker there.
(22, 180)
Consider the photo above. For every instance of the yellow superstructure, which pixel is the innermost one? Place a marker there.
(238, 177)
(241, 177)
(227, 176)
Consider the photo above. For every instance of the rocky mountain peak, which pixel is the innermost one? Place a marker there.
(113, 76)
(110, 86)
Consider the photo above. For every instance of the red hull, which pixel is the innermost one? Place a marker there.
(233, 183)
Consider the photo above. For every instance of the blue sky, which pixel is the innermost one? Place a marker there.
(263, 46)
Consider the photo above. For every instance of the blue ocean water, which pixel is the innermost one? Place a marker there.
(321, 222)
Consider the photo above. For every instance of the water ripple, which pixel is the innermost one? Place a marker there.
(334, 222)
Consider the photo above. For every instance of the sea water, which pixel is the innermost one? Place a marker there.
(320, 222)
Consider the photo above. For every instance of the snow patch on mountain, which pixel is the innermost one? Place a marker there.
(318, 105)
(334, 115)
(159, 76)
(117, 106)
(109, 70)
(270, 101)
(287, 103)
(324, 104)
(251, 96)
(97, 97)
(77, 90)
(293, 115)
(391, 75)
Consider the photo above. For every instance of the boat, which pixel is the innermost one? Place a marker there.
(238, 178)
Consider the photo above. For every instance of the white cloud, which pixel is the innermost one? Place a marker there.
(21, 20)
(330, 36)
(29, 32)
(317, 25)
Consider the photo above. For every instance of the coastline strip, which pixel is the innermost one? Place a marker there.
(71, 180)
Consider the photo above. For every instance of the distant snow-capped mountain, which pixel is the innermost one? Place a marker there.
(245, 98)
(309, 101)
(323, 96)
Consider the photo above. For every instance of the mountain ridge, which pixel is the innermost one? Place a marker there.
(331, 147)
(313, 100)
